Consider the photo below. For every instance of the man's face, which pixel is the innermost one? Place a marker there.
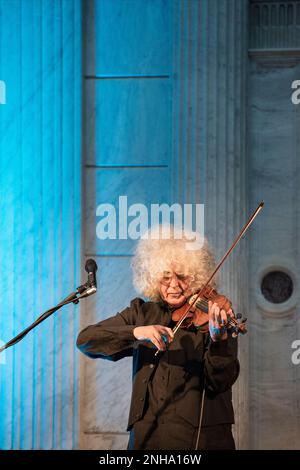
(174, 287)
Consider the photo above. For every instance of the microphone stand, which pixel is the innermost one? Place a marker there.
(81, 292)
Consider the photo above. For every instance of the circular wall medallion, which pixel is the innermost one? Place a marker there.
(276, 291)
(277, 286)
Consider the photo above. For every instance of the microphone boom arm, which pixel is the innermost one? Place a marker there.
(81, 292)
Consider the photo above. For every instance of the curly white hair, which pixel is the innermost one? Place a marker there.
(156, 255)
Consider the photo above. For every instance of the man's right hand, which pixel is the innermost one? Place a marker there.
(157, 334)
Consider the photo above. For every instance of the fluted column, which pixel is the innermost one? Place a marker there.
(40, 179)
(209, 154)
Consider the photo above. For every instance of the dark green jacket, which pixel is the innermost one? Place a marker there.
(190, 359)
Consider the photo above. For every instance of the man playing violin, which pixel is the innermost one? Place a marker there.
(181, 398)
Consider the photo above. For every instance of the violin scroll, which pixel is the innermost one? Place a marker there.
(237, 325)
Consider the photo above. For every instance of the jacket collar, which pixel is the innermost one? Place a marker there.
(165, 306)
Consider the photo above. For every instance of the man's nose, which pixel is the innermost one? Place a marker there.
(174, 281)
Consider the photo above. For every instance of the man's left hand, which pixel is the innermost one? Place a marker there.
(217, 321)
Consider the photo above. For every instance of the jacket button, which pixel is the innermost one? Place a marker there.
(151, 366)
(141, 399)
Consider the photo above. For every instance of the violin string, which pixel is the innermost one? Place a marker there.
(202, 303)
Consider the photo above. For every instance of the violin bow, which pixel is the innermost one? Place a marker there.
(242, 232)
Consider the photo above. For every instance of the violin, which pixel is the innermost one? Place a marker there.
(197, 314)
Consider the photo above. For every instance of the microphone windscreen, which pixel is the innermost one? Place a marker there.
(91, 266)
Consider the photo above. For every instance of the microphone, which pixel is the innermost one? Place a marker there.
(91, 268)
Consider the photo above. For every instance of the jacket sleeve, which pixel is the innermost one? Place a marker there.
(221, 365)
(112, 338)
